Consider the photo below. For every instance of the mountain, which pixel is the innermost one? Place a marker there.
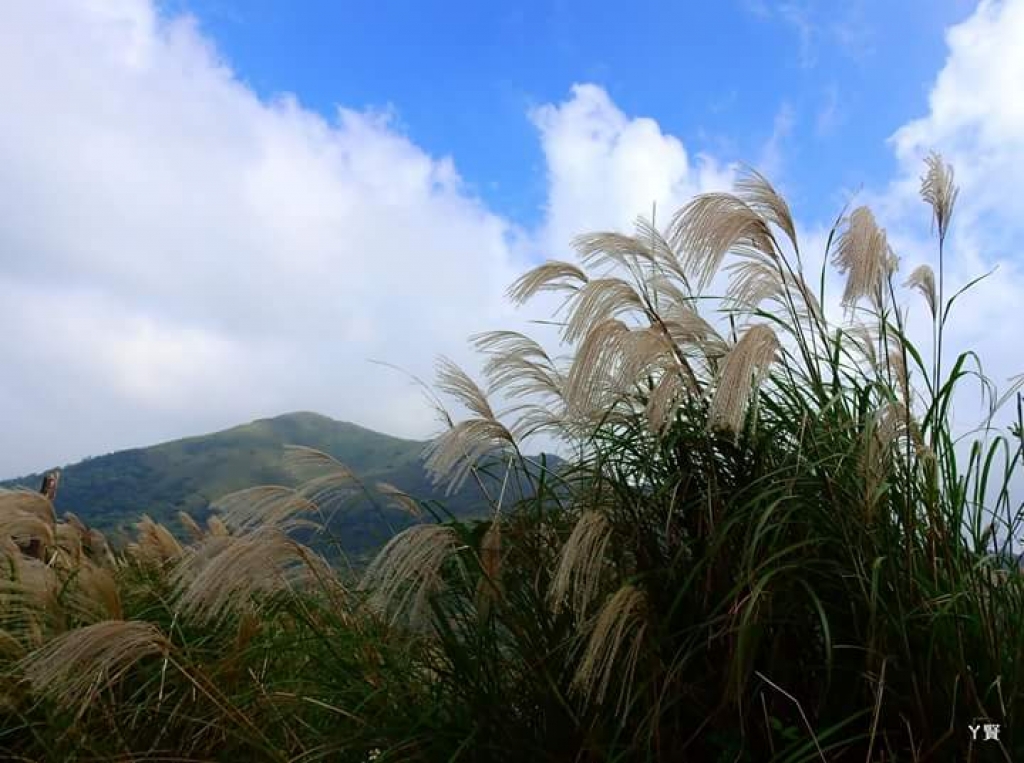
(111, 492)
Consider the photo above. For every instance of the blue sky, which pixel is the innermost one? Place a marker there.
(214, 210)
(834, 79)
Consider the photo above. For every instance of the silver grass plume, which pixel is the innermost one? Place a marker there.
(74, 668)
(517, 366)
(884, 434)
(898, 369)
(939, 191)
(865, 339)
(94, 593)
(666, 259)
(399, 499)
(29, 594)
(619, 630)
(664, 399)
(307, 463)
(195, 532)
(407, 571)
(863, 255)
(553, 276)
(264, 506)
(227, 575)
(581, 562)
(452, 457)
(68, 541)
(25, 526)
(757, 277)
(216, 527)
(741, 372)
(707, 228)
(154, 543)
(923, 279)
(29, 501)
(521, 371)
(600, 300)
(592, 373)
(610, 248)
(759, 195)
(691, 332)
(327, 483)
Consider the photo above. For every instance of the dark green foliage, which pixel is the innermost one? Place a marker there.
(110, 492)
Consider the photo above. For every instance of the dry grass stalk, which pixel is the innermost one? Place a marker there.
(613, 249)
(24, 527)
(307, 463)
(229, 574)
(863, 255)
(580, 564)
(754, 189)
(663, 401)
(452, 457)
(154, 543)
(95, 594)
(74, 668)
(400, 499)
(195, 532)
(266, 506)
(489, 586)
(407, 571)
(707, 228)
(620, 624)
(600, 300)
(517, 365)
(742, 370)
(550, 276)
(27, 501)
(939, 191)
(216, 527)
(923, 279)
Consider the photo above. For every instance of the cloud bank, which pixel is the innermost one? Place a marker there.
(179, 255)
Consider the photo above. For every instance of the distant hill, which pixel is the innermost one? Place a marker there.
(111, 492)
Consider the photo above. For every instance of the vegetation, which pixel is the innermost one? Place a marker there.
(770, 544)
(109, 492)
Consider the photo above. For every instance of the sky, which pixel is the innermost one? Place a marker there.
(213, 211)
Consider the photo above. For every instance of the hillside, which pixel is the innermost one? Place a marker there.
(110, 492)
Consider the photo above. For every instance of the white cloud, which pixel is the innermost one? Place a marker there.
(178, 255)
(977, 123)
(975, 117)
(605, 169)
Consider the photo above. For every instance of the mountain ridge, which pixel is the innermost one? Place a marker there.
(112, 491)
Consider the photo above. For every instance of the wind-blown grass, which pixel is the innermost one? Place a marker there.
(770, 545)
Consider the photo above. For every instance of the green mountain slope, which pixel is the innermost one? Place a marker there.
(110, 492)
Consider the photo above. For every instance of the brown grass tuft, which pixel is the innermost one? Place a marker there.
(742, 371)
(407, 571)
(581, 563)
(620, 624)
(73, 669)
